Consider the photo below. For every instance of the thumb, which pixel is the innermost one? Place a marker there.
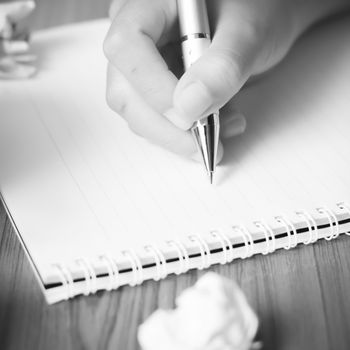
(217, 76)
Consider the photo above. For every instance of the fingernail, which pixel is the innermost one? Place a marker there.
(234, 126)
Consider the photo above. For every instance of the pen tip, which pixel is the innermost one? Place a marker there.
(211, 177)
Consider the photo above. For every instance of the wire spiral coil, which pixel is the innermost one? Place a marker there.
(66, 279)
(290, 230)
(89, 275)
(113, 271)
(311, 225)
(247, 239)
(184, 260)
(226, 246)
(235, 242)
(346, 208)
(136, 266)
(160, 261)
(333, 222)
(204, 251)
(269, 236)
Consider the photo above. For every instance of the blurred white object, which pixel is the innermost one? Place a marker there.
(14, 44)
(212, 315)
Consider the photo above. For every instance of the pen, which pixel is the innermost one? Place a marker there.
(195, 38)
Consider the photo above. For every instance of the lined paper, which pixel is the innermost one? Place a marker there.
(78, 182)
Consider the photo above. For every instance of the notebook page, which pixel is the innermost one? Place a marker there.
(78, 183)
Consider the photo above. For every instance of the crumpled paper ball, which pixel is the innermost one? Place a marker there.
(212, 315)
(15, 60)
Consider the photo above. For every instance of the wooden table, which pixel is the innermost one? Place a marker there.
(301, 296)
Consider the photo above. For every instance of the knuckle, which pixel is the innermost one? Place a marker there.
(114, 42)
(233, 63)
(253, 32)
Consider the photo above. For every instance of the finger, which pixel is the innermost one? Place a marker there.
(142, 119)
(18, 10)
(222, 70)
(131, 47)
(232, 126)
(232, 121)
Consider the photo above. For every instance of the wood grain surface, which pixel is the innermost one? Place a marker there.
(301, 296)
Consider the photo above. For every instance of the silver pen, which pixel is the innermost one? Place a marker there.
(195, 38)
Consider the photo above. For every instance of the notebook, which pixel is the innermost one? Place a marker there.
(97, 207)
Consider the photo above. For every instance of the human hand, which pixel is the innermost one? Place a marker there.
(16, 62)
(142, 46)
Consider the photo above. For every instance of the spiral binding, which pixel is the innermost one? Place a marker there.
(287, 224)
(89, 274)
(66, 279)
(159, 260)
(269, 236)
(247, 239)
(333, 221)
(226, 246)
(184, 260)
(113, 271)
(346, 207)
(137, 270)
(204, 250)
(136, 266)
(311, 225)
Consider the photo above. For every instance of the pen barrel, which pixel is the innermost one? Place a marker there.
(193, 17)
(211, 121)
(195, 37)
(193, 48)
(206, 134)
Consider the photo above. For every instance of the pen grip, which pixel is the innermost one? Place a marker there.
(193, 49)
